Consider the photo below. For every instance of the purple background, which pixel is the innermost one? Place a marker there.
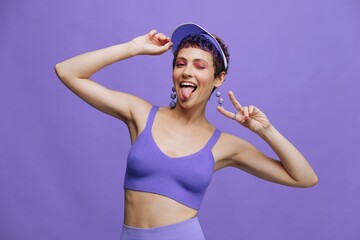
(62, 162)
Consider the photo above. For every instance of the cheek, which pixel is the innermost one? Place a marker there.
(205, 77)
(175, 74)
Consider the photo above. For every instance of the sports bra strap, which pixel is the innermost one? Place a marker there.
(209, 145)
(214, 138)
(151, 117)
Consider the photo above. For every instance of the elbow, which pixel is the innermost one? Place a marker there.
(58, 70)
(315, 181)
(311, 182)
(62, 72)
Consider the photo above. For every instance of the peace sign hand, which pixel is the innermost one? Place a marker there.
(248, 116)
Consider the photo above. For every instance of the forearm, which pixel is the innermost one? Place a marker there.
(292, 160)
(85, 65)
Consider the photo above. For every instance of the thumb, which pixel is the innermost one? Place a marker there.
(168, 45)
(165, 47)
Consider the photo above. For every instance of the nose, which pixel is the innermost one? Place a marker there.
(188, 72)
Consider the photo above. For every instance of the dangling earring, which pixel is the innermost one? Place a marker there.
(220, 100)
(173, 97)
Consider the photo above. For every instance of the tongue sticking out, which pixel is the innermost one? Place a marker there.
(186, 92)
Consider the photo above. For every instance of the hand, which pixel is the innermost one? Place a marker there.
(152, 43)
(250, 117)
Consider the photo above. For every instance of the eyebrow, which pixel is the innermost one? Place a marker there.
(195, 60)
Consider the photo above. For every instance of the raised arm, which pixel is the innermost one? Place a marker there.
(75, 73)
(292, 169)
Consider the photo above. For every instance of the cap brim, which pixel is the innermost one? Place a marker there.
(183, 30)
(186, 29)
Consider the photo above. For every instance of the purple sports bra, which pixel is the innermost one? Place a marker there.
(184, 179)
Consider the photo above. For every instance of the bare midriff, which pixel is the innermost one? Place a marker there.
(148, 210)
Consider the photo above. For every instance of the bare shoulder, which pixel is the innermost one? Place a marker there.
(227, 148)
(127, 106)
(138, 113)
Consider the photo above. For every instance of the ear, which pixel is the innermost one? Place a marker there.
(220, 79)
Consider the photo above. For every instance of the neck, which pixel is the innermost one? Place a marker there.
(193, 115)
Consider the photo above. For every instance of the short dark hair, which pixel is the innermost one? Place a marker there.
(200, 41)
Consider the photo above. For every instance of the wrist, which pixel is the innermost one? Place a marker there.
(133, 48)
(268, 133)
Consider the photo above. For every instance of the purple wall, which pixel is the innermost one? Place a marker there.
(62, 162)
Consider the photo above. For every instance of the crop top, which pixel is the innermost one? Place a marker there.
(183, 179)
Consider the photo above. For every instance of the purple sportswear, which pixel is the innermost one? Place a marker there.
(184, 179)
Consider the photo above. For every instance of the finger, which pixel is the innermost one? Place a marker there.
(246, 111)
(235, 102)
(167, 46)
(163, 37)
(160, 39)
(164, 40)
(225, 112)
(152, 33)
(256, 110)
(234, 116)
(251, 109)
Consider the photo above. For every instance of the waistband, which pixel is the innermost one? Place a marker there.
(183, 230)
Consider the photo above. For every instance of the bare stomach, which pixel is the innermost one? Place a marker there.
(148, 210)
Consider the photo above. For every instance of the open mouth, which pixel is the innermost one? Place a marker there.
(189, 85)
(186, 89)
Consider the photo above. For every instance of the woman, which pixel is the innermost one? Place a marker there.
(175, 149)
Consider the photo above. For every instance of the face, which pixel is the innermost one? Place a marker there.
(193, 76)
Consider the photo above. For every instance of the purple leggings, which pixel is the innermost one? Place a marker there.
(188, 229)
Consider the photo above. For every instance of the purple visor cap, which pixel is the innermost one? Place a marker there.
(191, 28)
